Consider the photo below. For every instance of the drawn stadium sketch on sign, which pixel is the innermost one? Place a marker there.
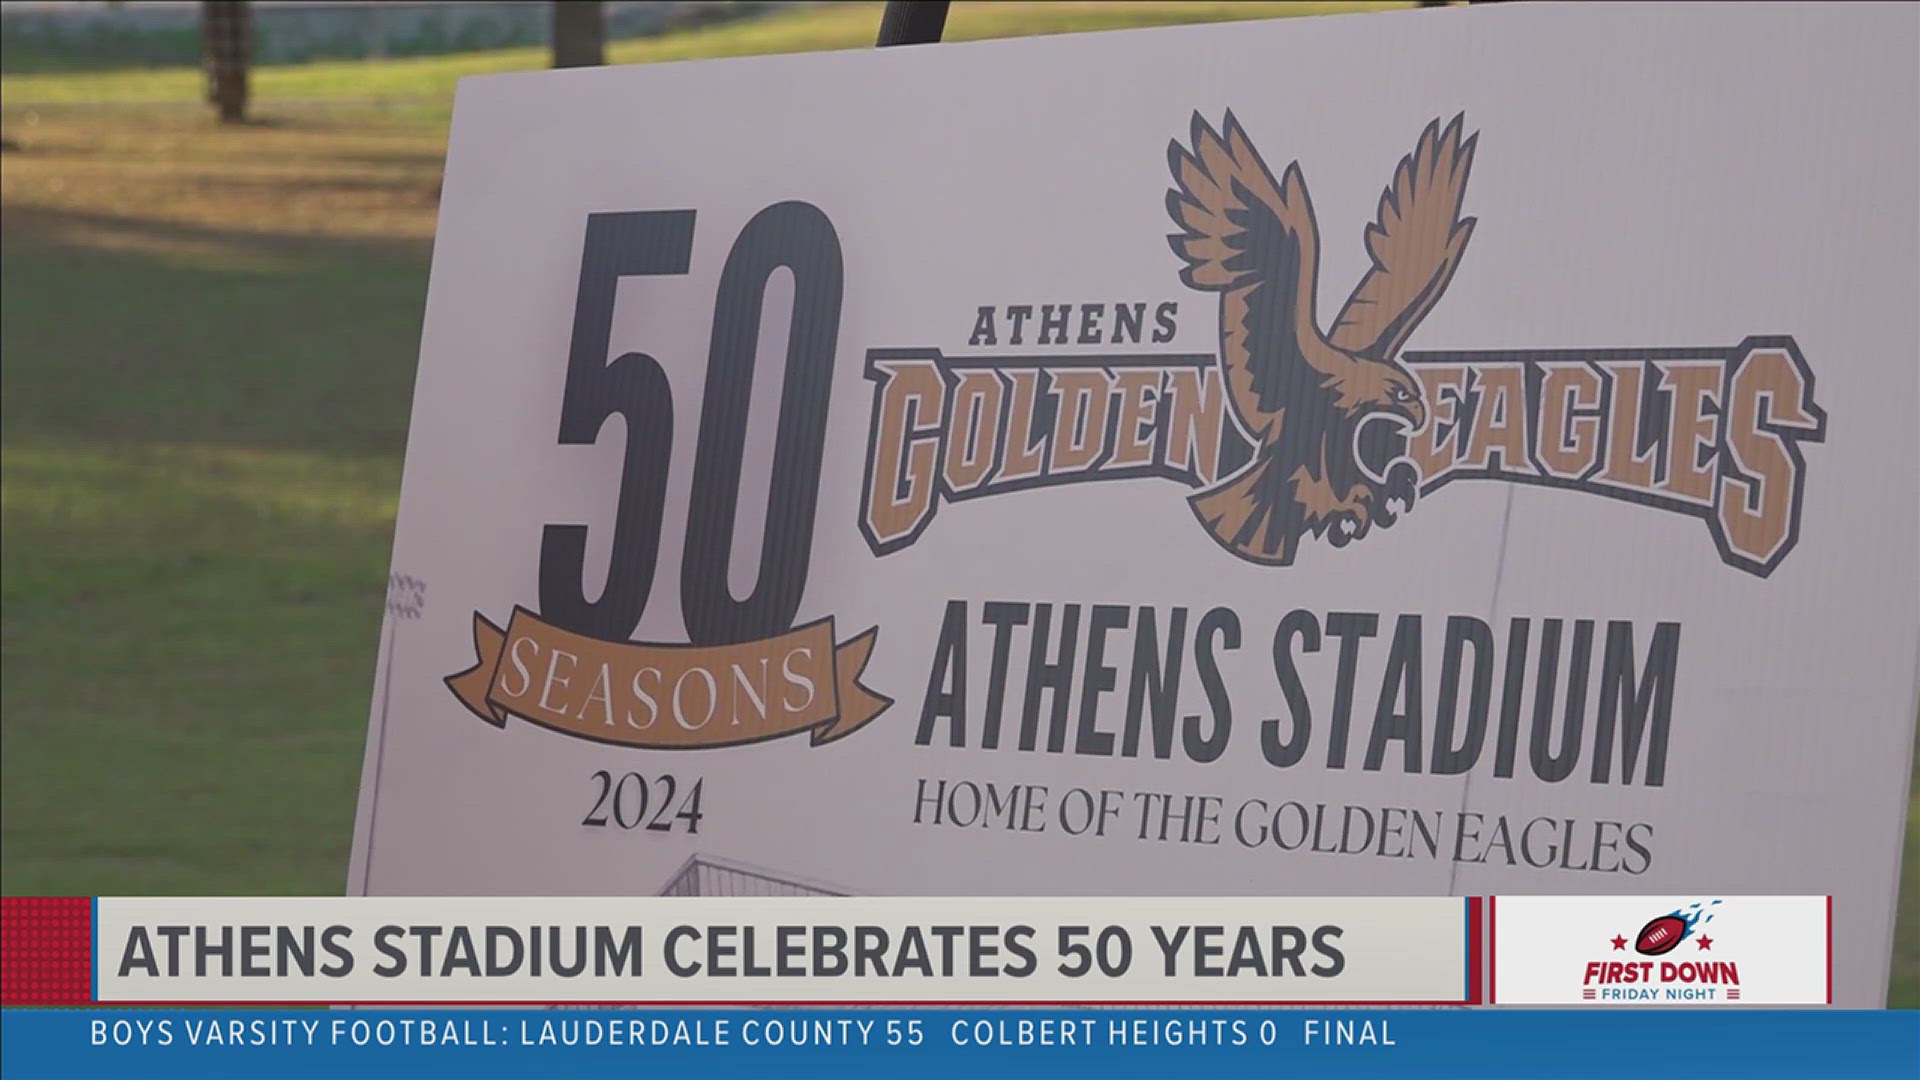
(706, 875)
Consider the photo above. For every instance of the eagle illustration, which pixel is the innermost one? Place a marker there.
(1328, 413)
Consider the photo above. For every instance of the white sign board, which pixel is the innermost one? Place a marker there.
(1438, 453)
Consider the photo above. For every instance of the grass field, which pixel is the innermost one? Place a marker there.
(207, 341)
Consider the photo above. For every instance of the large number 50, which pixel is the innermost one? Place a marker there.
(650, 243)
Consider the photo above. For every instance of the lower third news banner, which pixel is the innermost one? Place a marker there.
(931, 987)
(787, 950)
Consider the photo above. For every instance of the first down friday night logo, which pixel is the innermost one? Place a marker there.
(1668, 961)
(1297, 431)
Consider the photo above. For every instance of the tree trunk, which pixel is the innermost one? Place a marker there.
(226, 44)
(579, 34)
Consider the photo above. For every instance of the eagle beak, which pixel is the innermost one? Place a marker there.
(1416, 415)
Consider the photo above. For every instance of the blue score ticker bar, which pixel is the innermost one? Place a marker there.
(1748, 1044)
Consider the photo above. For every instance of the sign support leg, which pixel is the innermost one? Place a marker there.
(912, 22)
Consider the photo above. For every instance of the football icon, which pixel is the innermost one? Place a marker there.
(1660, 935)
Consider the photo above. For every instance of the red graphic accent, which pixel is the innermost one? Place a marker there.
(1474, 985)
(1706, 942)
(1493, 942)
(46, 950)
(1619, 942)
(1660, 936)
(1829, 950)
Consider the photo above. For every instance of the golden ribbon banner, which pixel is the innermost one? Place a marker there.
(669, 697)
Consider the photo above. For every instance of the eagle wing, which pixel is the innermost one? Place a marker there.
(1253, 240)
(1416, 242)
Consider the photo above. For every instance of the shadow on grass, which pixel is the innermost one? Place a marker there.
(201, 454)
(124, 330)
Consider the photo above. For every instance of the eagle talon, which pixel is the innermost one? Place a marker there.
(1390, 510)
(1398, 494)
(1344, 528)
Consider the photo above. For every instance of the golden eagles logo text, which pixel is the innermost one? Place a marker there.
(1297, 428)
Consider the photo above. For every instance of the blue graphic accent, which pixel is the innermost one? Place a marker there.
(1695, 915)
(1466, 965)
(928, 1044)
